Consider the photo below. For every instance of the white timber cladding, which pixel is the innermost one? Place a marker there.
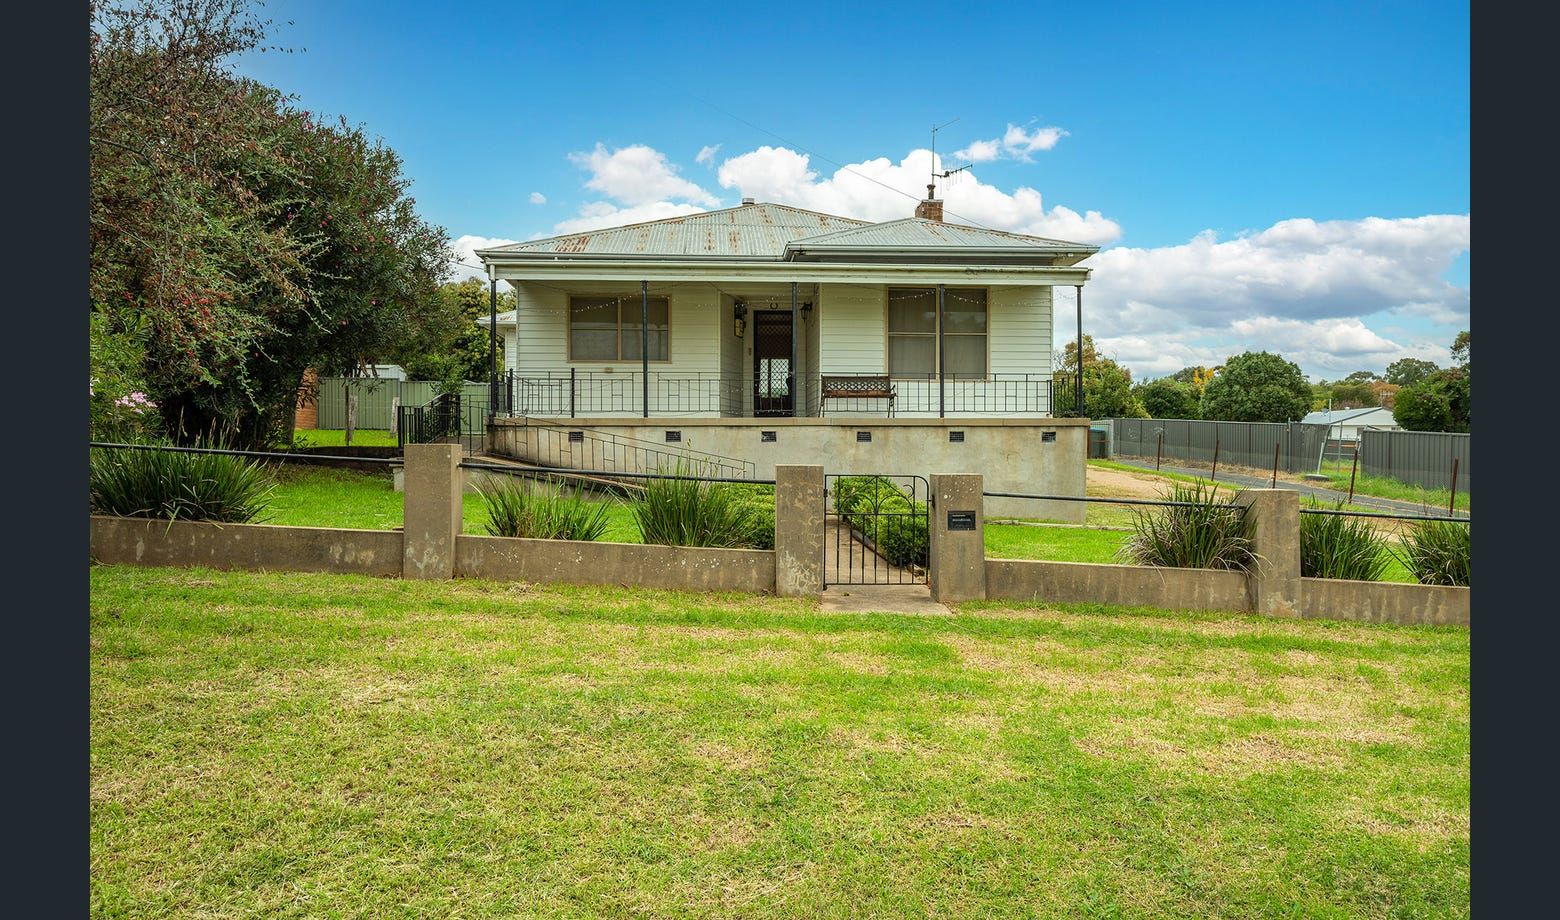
(542, 325)
(1019, 329)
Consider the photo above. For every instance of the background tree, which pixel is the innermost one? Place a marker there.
(1441, 401)
(1197, 375)
(457, 348)
(1362, 377)
(1257, 386)
(251, 240)
(1167, 398)
(1347, 395)
(1409, 371)
(1107, 386)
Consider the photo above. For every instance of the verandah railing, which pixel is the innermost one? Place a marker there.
(576, 393)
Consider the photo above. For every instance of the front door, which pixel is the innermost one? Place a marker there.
(772, 372)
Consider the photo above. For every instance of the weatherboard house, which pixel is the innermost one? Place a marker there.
(765, 334)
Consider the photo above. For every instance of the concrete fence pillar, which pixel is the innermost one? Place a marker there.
(958, 538)
(798, 530)
(432, 503)
(1274, 516)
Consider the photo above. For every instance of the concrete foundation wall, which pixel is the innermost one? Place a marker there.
(1011, 454)
(681, 568)
(140, 541)
(1129, 585)
(1384, 602)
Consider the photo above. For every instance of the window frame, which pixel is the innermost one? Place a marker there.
(622, 300)
(888, 336)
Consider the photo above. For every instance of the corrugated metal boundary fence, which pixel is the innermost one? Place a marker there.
(1248, 444)
(377, 397)
(1420, 457)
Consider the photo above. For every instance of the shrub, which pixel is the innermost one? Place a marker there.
(1438, 552)
(1204, 534)
(1335, 546)
(178, 485)
(695, 512)
(877, 509)
(521, 508)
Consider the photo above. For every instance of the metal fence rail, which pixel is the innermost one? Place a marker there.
(1250, 444)
(1424, 458)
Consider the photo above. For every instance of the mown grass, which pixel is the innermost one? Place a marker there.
(308, 745)
(1337, 473)
(337, 437)
(1056, 544)
(325, 497)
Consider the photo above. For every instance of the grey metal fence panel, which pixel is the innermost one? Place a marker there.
(377, 398)
(1248, 444)
(1423, 458)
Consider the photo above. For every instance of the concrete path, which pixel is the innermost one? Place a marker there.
(1262, 482)
(882, 599)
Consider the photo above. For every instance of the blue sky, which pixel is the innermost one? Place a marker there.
(1287, 178)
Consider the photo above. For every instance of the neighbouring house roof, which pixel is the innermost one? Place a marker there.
(1322, 417)
(776, 232)
(505, 318)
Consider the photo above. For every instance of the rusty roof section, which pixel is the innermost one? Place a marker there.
(748, 231)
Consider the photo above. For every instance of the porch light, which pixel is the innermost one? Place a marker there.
(739, 319)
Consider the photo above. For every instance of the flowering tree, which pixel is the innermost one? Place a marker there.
(249, 239)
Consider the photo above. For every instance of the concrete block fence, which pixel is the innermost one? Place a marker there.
(431, 546)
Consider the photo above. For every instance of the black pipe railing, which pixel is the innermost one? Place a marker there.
(575, 393)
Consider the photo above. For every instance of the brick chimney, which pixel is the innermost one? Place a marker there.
(931, 208)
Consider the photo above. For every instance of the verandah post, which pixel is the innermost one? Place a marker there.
(790, 382)
(644, 346)
(942, 389)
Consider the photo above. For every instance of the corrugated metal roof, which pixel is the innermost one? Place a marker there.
(749, 230)
(1323, 417)
(918, 232)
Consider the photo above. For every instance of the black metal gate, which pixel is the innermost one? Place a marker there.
(875, 529)
(772, 371)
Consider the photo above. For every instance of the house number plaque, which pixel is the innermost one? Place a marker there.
(961, 520)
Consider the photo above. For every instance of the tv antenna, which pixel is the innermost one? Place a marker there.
(931, 187)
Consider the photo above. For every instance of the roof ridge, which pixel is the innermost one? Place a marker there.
(923, 221)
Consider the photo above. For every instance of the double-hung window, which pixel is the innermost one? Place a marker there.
(912, 332)
(608, 328)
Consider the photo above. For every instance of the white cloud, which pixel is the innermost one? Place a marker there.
(1300, 269)
(980, 151)
(786, 176)
(538, 198)
(1015, 142)
(638, 175)
(706, 155)
(1018, 143)
(1321, 293)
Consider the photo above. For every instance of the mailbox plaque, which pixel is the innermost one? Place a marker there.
(961, 520)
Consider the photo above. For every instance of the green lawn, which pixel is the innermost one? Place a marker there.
(337, 437)
(1057, 544)
(324, 497)
(308, 745)
(1337, 473)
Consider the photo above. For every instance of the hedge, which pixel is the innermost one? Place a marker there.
(901, 539)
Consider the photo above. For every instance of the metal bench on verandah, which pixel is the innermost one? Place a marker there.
(856, 386)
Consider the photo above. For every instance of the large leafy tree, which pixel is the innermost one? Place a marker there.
(1257, 386)
(1408, 371)
(1167, 398)
(456, 348)
(1107, 386)
(250, 240)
